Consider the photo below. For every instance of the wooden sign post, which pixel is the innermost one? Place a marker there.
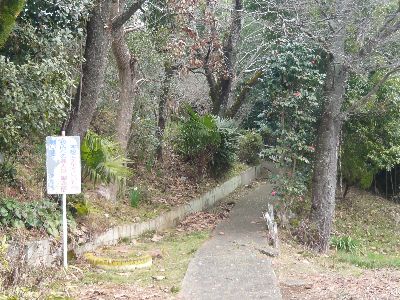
(63, 165)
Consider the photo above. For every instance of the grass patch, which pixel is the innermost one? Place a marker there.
(373, 222)
(370, 260)
(103, 214)
(176, 251)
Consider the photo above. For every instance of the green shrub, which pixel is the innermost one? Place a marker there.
(39, 214)
(41, 86)
(78, 205)
(207, 141)
(250, 146)
(225, 152)
(197, 138)
(344, 243)
(102, 161)
(9, 11)
(8, 173)
(135, 197)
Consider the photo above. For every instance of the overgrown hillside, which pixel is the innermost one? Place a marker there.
(169, 98)
(363, 261)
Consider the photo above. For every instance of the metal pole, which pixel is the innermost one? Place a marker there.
(64, 225)
(395, 180)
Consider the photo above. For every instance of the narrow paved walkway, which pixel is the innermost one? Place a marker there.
(230, 265)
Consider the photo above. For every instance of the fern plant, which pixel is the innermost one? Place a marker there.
(225, 152)
(102, 160)
(135, 197)
(197, 137)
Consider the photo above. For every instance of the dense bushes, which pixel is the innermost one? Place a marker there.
(207, 141)
(225, 152)
(197, 137)
(39, 214)
(33, 98)
(8, 173)
(250, 146)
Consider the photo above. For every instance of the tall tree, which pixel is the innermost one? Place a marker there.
(100, 30)
(221, 85)
(345, 15)
(357, 37)
(127, 73)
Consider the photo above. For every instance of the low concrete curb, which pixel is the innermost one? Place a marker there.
(40, 252)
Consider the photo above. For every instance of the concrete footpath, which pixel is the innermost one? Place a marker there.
(230, 265)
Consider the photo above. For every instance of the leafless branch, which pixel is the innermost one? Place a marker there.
(358, 104)
(389, 27)
(133, 28)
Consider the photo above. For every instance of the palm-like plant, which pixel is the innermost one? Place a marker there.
(102, 160)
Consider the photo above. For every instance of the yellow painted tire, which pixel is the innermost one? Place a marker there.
(127, 263)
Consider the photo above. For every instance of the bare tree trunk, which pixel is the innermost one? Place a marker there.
(99, 36)
(214, 93)
(98, 42)
(127, 73)
(241, 98)
(230, 49)
(221, 88)
(162, 108)
(328, 136)
(326, 157)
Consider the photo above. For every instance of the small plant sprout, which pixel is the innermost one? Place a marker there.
(344, 243)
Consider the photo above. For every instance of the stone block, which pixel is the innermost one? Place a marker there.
(37, 253)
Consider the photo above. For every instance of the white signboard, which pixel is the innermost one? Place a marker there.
(63, 164)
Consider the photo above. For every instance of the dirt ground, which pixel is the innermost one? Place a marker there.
(197, 222)
(120, 292)
(311, 277)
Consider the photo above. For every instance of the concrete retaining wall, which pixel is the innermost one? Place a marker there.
(41, 253)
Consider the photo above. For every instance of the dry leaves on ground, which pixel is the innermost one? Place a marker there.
(379, 284)
(174, 182)
(120, 292)
(205, 220)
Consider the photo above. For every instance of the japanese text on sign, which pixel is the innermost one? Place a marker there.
(63, 164)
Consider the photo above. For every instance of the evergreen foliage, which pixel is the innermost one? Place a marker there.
(371, 141)
(287, 110)
(31, 215)
(225, 153)
(250, 146)
(9, 11)
(207, 141)
(102, 160)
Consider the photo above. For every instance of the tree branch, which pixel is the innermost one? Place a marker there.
(357, 105)
(121, 19)
(390, 27)
(241, 98)
(132, 29)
